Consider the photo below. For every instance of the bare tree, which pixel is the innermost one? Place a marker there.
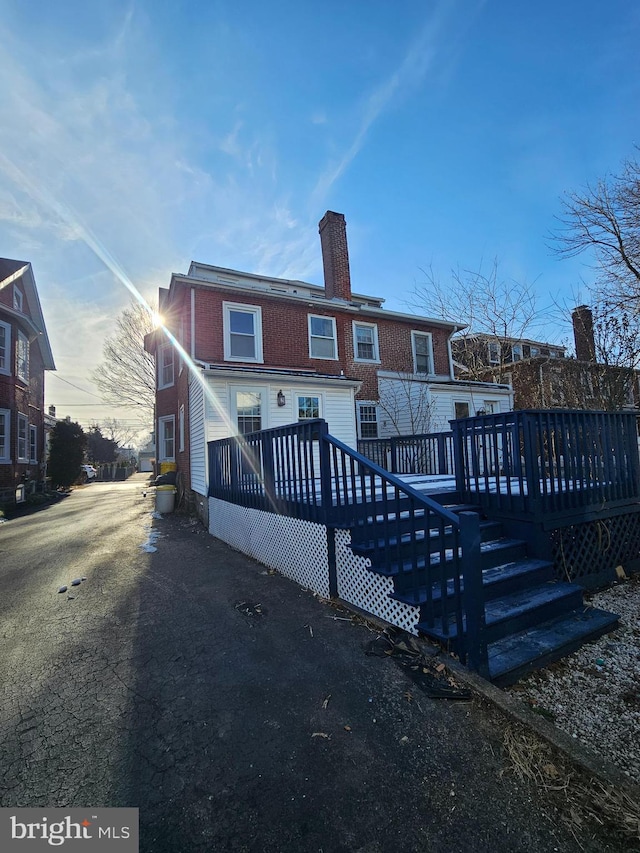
(126, 377)
(407, 404)
(491, 307)
(605, 219)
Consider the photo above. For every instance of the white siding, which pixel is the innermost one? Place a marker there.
(414, 406)
(197, 444)
(337, 406)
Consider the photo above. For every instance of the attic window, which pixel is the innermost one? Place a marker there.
(17, 298)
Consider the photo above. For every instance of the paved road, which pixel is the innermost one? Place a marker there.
(150, 688)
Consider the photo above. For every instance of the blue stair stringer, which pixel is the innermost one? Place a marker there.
(531, 619)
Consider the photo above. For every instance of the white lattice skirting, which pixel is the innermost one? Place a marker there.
(298, 549)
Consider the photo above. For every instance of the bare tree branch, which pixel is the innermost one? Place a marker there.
(126, 376)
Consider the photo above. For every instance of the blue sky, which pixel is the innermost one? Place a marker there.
(135, 137)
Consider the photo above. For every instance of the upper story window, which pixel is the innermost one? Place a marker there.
(322, 337)
(365, 342)
(22, 357)
(165, 366)
(422, 352)
(494, 352)
(516, 352)
(17, 298)
(242, 332)
(5, 348)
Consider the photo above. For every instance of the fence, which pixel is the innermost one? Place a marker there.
(301, 470)
(428, 453)
(547, 462)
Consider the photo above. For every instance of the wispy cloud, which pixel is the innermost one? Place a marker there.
(422, 55)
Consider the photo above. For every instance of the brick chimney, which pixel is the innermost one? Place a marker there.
(583, 333)
(335, 256)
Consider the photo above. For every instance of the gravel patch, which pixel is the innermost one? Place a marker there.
(594, 694)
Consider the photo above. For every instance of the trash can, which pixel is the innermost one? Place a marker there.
(165, 498)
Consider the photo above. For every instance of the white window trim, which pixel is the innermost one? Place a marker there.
(256, 310)
(498, 354)
(181, 428)
(162, 350)
(161, 440)
(321, 337)
(428, 335)
(315, 394)
(33, 444)
(6, 370)
(373, 403)
(376, 351)
(18, 299)
(6, 458)
(25, 456)
(466, 403)
(22, 337)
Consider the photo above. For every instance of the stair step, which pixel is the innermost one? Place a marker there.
(496, 581)
(377, 521)
(515, 612)
(489, 531)
(514, 656)
(496, 552)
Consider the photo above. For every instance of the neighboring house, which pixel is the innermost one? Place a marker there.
(267, 352)
(25, 354)
(541, 375)
(147, 455)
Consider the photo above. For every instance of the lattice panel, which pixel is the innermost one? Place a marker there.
(593, 549)
(367, 590)
(296, 548)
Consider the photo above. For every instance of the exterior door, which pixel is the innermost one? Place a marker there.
(246, 408)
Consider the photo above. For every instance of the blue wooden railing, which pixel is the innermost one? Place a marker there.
(545, 463)
(303, 471)
(427, 453)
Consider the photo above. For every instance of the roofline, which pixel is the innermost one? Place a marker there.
(37, 318)
(297, 376)
(340, 304)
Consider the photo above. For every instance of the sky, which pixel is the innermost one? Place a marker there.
(138, 136)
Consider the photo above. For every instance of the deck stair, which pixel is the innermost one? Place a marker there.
(531, 619)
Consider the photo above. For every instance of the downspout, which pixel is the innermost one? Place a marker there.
(193, 324)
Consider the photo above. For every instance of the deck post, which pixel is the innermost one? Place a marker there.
(327, 506)
(476, 641)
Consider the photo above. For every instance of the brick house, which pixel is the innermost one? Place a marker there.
(25, 354)
(267, 352)
(543, 377)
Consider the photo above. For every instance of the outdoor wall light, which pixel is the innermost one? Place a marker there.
(281, 398)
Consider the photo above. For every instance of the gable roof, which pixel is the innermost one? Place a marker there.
(12, 270)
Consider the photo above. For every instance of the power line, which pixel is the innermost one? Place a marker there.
(77, 387)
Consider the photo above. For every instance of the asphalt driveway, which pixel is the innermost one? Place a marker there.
(236, 710)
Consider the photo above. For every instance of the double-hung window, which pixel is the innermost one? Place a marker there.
(22, 357)
(17, 298)
(242, 332)
(165, 366)
(422, 352)
(322, 337)
(5, 348)
(5, 421)
(365, 342)
(368, 420)
(167, 438)
(181, 428)
(23, 425)
(33, 444)
(494, 352)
